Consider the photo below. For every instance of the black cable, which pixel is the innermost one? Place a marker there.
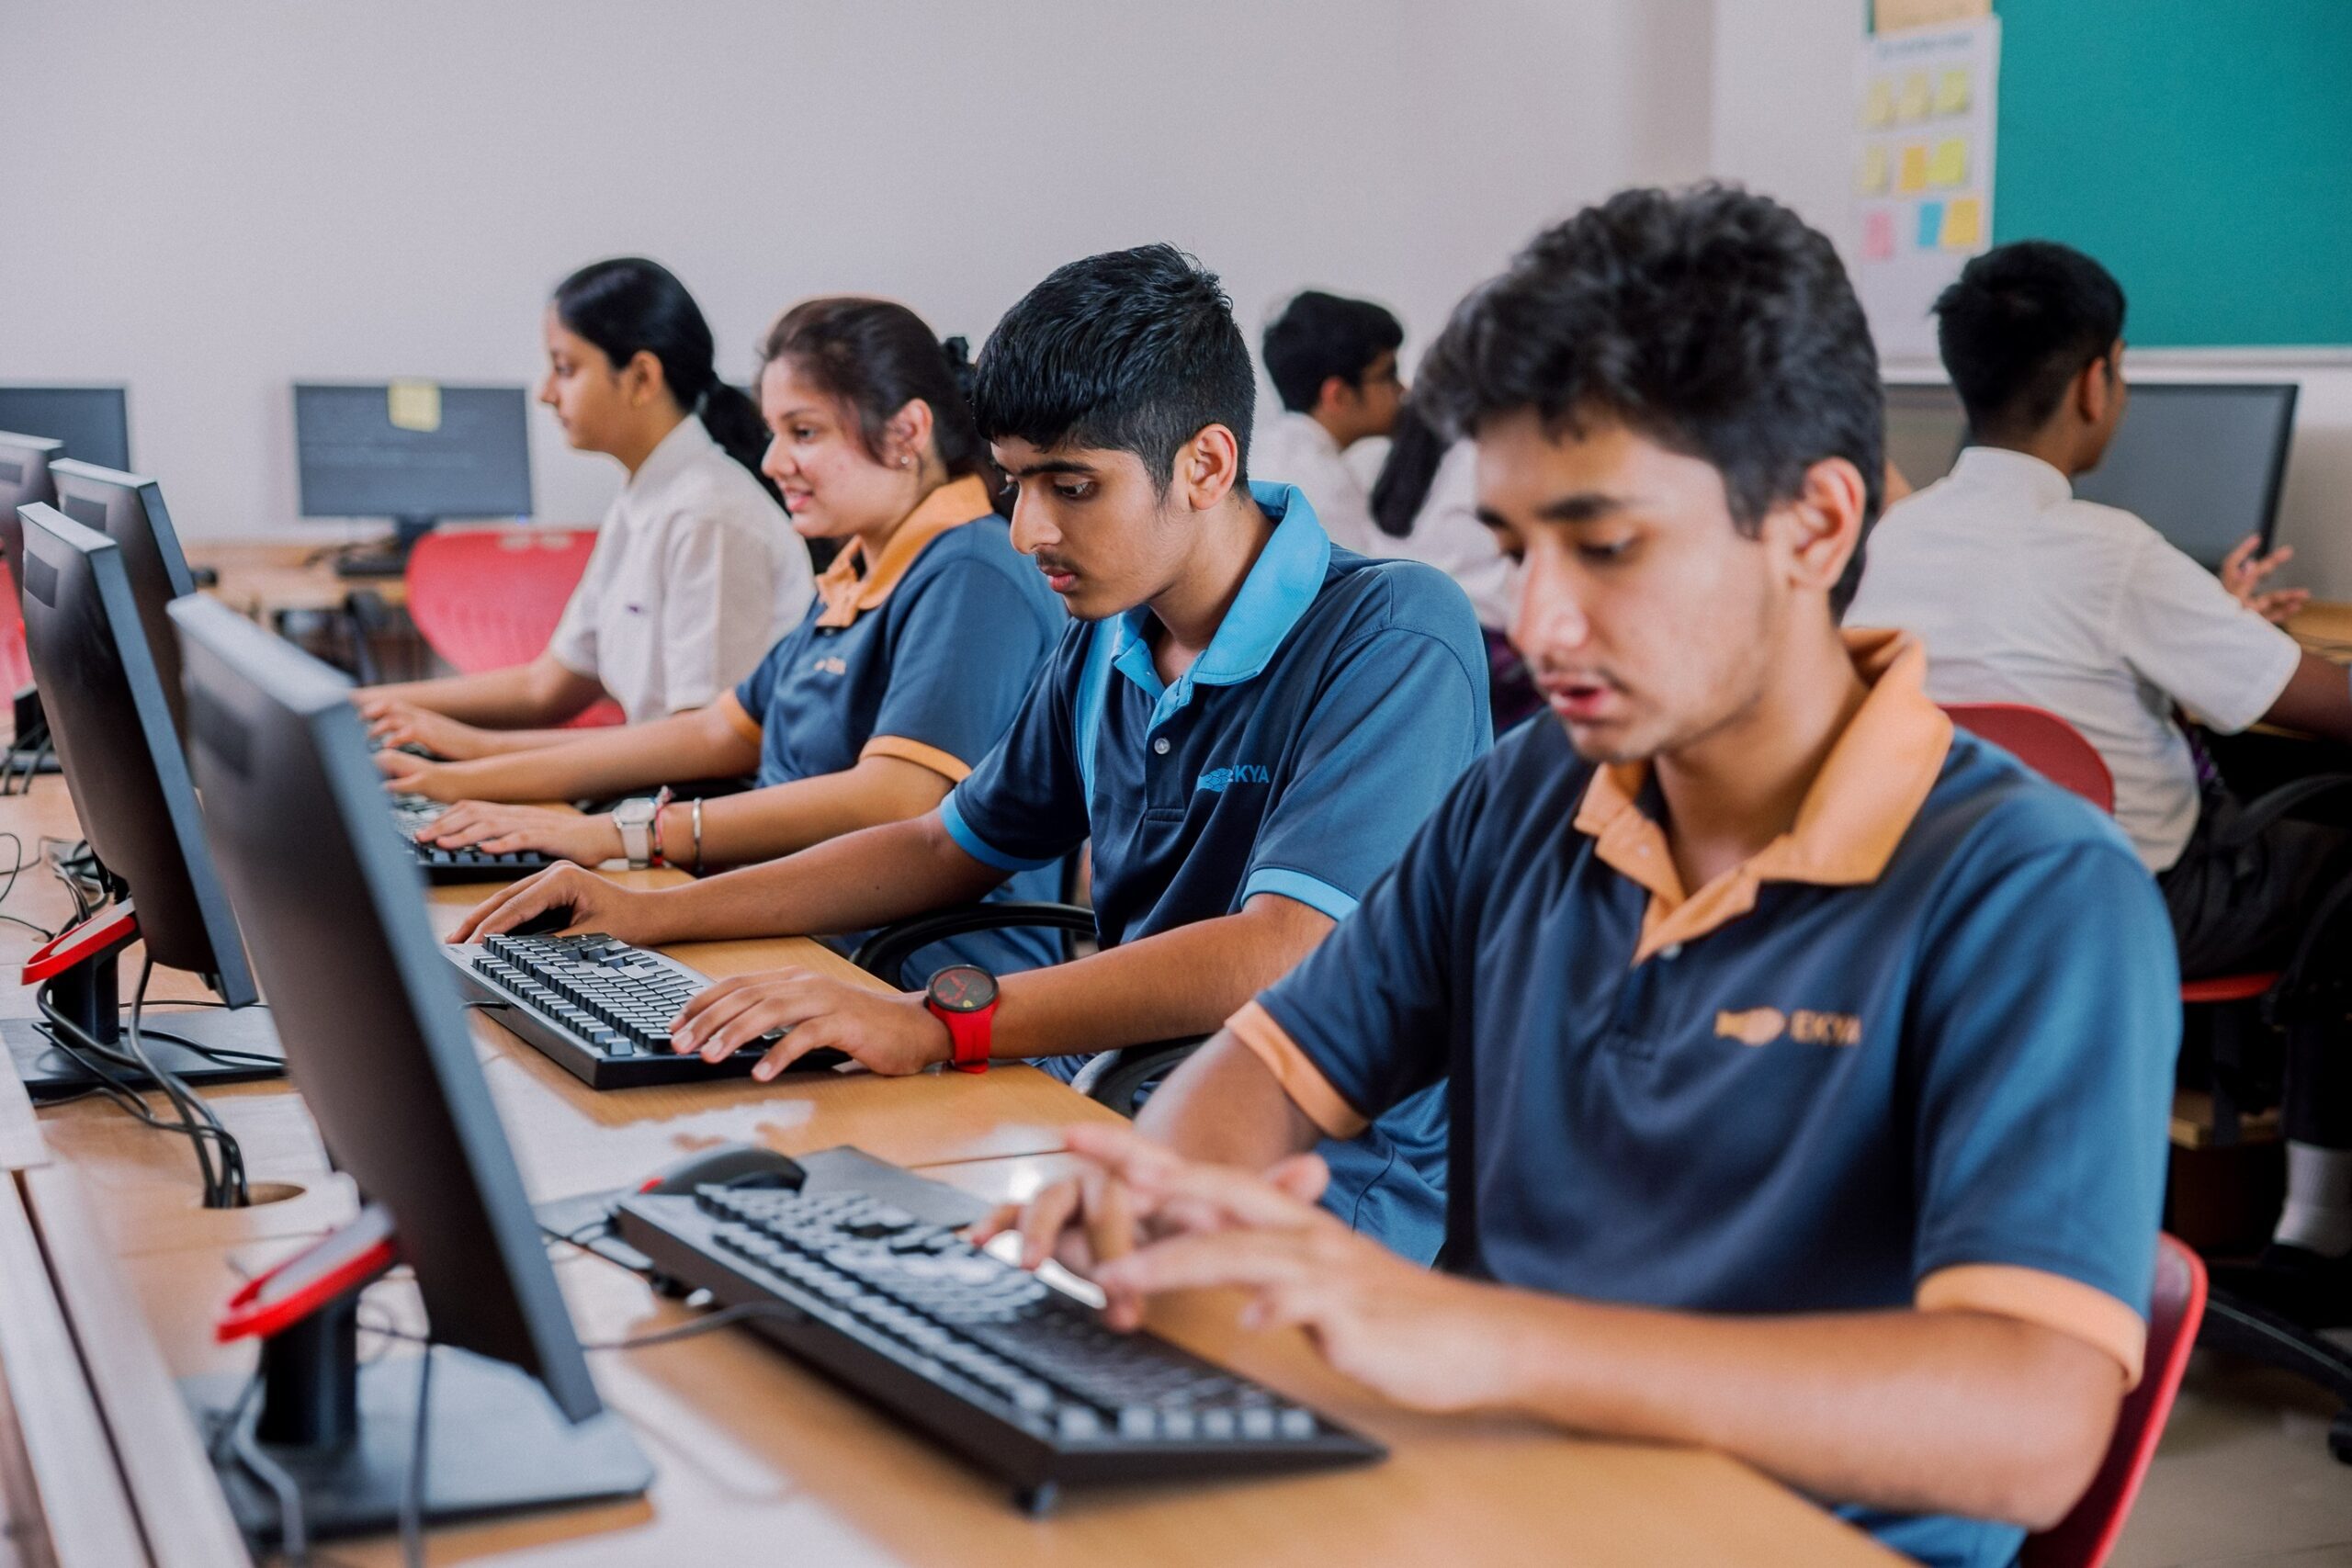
(413, 1484)
(102, 1064)
(10, 886)
(724, 1317)
(232, 1192)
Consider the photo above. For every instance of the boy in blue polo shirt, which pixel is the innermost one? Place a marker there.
(1809, 1062)
(1247, 724)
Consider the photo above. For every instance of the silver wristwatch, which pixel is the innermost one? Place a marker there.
(635, 819)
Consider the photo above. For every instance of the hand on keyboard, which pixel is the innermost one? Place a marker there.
(394, 723)
(501, 829)
(597, 905)
(889, 1032)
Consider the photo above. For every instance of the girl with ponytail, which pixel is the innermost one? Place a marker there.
(923, 636)
(696, 570)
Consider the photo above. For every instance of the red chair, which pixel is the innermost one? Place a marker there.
(15, 664)
(2042, 741)
(490, 598)
(2176, 1305)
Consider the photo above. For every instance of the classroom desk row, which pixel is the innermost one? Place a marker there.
(112, 1276)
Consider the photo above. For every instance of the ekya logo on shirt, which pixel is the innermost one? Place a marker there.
(1217, 781)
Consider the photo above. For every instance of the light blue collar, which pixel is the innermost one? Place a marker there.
(1282, 582)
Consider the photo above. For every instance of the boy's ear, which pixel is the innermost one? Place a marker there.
(1823, 525)
(1206, 467)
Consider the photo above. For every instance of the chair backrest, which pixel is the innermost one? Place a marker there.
(2042, 741)
(2085, 1536)
(15, 663)
(490, 598)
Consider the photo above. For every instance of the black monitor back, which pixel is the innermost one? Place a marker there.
(375, 1035)
(93, 422)
(2203, 463)
(120, 754)
(129, 511)
(24, 481)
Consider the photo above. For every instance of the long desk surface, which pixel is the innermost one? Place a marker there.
(111, 1275)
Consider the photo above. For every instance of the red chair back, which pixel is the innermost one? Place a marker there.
(2085, 1537)
(490, 598)
(15, 664)
(2042, 741)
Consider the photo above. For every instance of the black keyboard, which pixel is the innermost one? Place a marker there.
(601, 1008)
(1022, 1380)
(414, 813)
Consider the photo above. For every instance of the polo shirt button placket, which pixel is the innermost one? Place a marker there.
(1160, 747)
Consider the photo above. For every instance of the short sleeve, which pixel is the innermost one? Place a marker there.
(1025, 803)
(2185, 634)
(574, 644)
(2042, 1040)
(1364, 1022)
(963, 652)
(717, 607)
(757, 690)
(1402, 714)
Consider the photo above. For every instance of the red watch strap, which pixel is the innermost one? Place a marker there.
(968, 1035)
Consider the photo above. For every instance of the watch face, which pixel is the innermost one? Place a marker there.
(633, 813)
(963, 987)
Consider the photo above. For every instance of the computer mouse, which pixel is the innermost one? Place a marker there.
(728, 1165)
(546, 923)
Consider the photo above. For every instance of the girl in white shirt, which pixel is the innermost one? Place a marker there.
(697, 570)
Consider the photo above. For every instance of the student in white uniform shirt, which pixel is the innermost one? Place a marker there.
(697, 570)
(1333, 364)
(2024, 594)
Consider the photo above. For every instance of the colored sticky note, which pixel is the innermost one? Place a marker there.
(1914, 176)
(413, 405)
(1878, 235)
(1914, 102)
(1950, 166)
(1869, 179)
(1931, 224)
(1963, 225)
(1878, 102)
(1951, 91)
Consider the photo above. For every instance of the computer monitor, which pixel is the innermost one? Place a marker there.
(2201, 462)
(1925, 428)
(378, 1043)
(458, 452)
(129, 777)
(93, 422)
(129, 511)
(24, 481)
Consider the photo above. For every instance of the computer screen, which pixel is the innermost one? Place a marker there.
(129, 511)
(462, 452)
(24, 481)
(1925, 428)
(93, 422)
(2202, 463)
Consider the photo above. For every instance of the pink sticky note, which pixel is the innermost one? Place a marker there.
(1878, 235)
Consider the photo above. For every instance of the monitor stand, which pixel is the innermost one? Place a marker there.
(30, 751)
(392, 559)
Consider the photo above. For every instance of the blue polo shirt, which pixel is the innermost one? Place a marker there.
(925, 655)
(1919, 1051)
(1335, 704)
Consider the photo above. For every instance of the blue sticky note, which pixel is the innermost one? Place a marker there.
(1931, 224)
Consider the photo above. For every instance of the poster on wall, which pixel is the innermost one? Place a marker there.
(1923, 173)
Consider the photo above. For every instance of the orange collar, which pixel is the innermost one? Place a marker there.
(1857, 810)
(847, 594)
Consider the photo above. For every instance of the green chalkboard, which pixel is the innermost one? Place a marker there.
(2202, 148)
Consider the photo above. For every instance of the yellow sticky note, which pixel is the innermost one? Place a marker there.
(1915, 101)
(1950, 166)
(1951, 91)
(1963, 224)
(1878, 102)
(1871, 178)
(1914, 169)
(413, 405)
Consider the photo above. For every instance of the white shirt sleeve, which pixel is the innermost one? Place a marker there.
(717, 604)
(2181, 630)
(574, 644)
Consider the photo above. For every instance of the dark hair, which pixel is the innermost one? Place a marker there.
(1711, 321)
(2023, 321)
(1416, 449)
(1321, 335)
(874, 357)
(1130, 350)
(629, 306)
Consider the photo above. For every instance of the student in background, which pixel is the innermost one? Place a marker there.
(2024, 594)
(923, 639)
(697, 570)
(1809, 1061)
(1248, 723)
(1333, 364)
(1425, 507)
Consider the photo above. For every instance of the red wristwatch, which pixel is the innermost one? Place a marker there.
(964, 997)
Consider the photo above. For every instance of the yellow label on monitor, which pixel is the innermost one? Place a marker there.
(1914, 176)
(413, 405)
(1963, 224)
(1914, 102)
(1871, 178)
(1878, 102)
(1951, 91)
(1950, 166)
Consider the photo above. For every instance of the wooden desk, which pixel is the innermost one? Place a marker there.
(268, 578)
(751, 1450)
(2326, 628)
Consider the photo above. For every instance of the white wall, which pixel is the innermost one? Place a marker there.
(233, 196)
(1780, 121)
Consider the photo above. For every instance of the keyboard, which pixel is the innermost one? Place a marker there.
(414, 813)
(1025, 1383)
(600, 1008)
